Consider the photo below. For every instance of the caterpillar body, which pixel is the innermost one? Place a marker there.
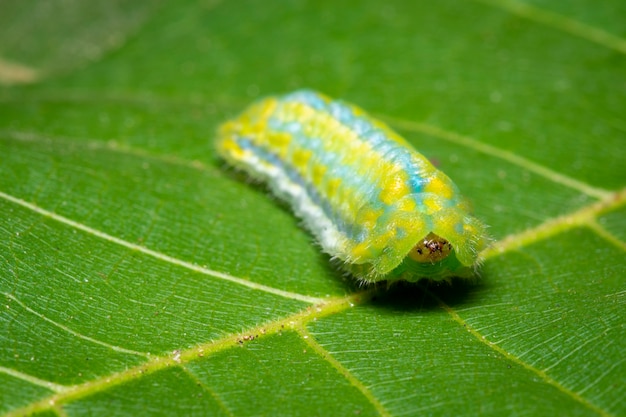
(369, 198)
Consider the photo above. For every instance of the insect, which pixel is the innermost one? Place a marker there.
(369, 198)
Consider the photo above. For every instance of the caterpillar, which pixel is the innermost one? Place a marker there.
(370, 199)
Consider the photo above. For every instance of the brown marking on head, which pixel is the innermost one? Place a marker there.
(431, 249)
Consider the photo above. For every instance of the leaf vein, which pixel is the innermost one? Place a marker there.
(604, 374)
(328, 357)
(509, 356)
(560, 22)
(606, 235)
(157, 363)
(211, 392)
(510, 157)
(74, 332)
(158, 255)
(582, 217)
(34, 380)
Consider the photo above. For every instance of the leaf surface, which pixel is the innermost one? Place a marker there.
(139, 276)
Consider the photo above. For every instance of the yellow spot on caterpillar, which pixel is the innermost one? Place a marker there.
(369, 217)
(332, 186)
(317, 174)
(393, 189)
(278, 141)
(231, 147)
(439, 187)
(300, 158)
(432, 204)
(406, 204)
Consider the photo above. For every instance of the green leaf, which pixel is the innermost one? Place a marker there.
(138, 276)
